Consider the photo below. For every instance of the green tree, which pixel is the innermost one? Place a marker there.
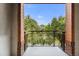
(30, 24)
(48, 27)
(55, 24)
(61, 21)
(38, 38)
(42, 27)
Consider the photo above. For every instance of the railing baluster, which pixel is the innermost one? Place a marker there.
(63, 41)
(54, 38)
(45, 37)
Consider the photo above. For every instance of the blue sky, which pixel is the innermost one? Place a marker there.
(43, 13)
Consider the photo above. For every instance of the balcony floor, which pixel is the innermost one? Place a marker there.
(44, 51)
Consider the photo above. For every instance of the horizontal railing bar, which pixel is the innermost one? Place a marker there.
(45, 31)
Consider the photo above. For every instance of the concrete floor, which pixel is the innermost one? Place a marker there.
(44, 51)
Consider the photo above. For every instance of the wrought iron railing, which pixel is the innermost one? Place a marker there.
(45, 38)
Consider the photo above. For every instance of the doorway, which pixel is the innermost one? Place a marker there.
(44, 25)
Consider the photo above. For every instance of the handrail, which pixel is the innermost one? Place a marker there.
(61, 36)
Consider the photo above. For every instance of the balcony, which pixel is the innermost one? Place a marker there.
(47, 43)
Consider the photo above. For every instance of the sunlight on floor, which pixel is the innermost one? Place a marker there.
(44, 51)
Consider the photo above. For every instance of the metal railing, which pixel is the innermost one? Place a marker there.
(45, 38)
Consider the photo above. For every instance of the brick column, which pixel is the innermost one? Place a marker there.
(69, 35)
(20, 49)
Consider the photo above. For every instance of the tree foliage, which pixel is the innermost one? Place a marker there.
(30, 24)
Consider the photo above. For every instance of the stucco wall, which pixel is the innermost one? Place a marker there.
(76, 29)
(8, 29)
(14, 29)
(5, 18)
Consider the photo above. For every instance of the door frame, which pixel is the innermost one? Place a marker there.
(20, 48)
